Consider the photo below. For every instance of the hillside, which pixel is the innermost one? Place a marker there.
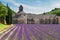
(2, 26)
(54, 11)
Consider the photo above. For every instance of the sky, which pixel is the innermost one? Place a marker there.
(33, 6)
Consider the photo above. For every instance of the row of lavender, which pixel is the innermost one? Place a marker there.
(41, 31)
(31, 32)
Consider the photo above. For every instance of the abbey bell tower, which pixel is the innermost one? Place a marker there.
(20, 8)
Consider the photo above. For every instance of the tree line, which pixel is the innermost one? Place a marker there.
(5, 14)
(54, 11)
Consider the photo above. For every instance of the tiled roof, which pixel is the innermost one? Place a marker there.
(29, 15)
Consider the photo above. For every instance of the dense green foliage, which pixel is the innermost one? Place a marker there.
(54, 11)
(3, 10)
(5, 14)
(9, 16)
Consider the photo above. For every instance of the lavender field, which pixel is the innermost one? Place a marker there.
(31, 32)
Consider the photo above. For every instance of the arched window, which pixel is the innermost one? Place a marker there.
(54, 21)
(45, 21)
(41, 21)
(30, 21)
(49, 20)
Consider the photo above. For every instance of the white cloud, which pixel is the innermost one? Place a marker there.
(56, 4)
(34, 9)
(27, 8)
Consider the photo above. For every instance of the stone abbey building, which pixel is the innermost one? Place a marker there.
(27, 18)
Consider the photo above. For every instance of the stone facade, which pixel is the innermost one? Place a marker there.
(27, 18)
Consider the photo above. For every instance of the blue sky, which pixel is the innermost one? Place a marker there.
(33, 6)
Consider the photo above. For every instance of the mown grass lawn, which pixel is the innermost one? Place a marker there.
(2, 26)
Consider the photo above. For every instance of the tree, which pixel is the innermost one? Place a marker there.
(44, 13)
(57, 12)
(3, 13)
(9, 16)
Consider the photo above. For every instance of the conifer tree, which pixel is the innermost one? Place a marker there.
(9, 16)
